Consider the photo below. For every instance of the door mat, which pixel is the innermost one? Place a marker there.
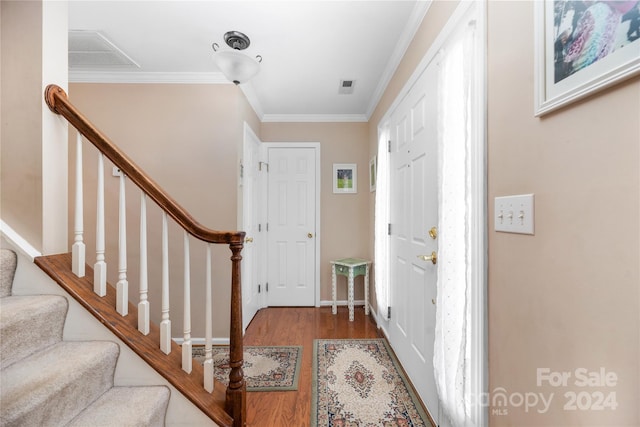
(359, 382)
(266, 368)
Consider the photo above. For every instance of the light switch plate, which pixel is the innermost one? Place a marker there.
(514, 214)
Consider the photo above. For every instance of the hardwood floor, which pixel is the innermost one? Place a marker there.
(297, 326)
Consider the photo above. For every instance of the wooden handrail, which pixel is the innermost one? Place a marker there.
(58, 102)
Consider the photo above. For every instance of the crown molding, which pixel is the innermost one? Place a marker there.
(417, 15)
(252, 98)
(81, 76)
(314, 118)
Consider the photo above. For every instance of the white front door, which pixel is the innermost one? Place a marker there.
(292, 226)
(413, 214)
(251, 208)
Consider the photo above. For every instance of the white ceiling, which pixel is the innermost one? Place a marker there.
(307, 48)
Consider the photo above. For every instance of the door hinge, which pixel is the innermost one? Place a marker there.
(389, 146)
(259, 228)
(258, 288)
(266, 286)
(267, 227)
(389, 229)
(389, 312)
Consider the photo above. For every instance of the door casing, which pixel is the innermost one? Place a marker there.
(250, 215)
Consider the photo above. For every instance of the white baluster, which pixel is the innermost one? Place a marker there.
(165, 324)
(208, 358)
(143, 305)
(122, 287)
(78, 248)
(100, 267)
(187, 357)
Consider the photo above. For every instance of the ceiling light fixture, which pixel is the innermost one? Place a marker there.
(235, 65)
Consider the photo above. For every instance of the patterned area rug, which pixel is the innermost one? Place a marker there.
(360, 383)
(265, 368)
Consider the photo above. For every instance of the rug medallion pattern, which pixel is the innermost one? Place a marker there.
(359, 383)
(265, 368)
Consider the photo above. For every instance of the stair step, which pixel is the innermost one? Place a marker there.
(29, 324)
(126, 406)
(51, 387)
(8, 263)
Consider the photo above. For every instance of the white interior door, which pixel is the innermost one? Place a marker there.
(251, 207)
(292, 226)
(413, 214)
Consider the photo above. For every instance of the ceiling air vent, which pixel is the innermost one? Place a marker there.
(346, 87)
(90, 49)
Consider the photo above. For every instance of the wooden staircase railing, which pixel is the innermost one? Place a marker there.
(235, 401)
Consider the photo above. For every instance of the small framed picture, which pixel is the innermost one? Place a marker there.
(345, 178)
(373, 165)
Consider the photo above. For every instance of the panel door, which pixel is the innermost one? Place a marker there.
(292, 234)
(413, 214)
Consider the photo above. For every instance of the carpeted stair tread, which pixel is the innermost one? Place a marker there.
(29, 324)
(126, 406)
(53, 386)
(45, 381)
(8, 262)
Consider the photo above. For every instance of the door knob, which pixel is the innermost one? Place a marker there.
(433, 257)
(310, 235)
(248, 240)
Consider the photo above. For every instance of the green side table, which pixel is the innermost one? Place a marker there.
(350, 268)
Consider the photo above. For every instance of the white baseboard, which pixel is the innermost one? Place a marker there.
(374, 315)
(359, 302)
(341, 302)
(201, 341)
(18, 241)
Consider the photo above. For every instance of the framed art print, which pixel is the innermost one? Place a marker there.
(583, 47)
(345, 178)
(373, 165)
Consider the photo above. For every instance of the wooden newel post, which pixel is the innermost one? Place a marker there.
(235, 404)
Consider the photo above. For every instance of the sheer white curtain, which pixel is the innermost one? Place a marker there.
(381, 239)
(450, 353)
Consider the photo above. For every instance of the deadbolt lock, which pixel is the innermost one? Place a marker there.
(433, 233)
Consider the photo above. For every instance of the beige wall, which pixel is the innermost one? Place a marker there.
(21, 133)
(567, 297)
(184, 137)
(344, 217)
(436, 17)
